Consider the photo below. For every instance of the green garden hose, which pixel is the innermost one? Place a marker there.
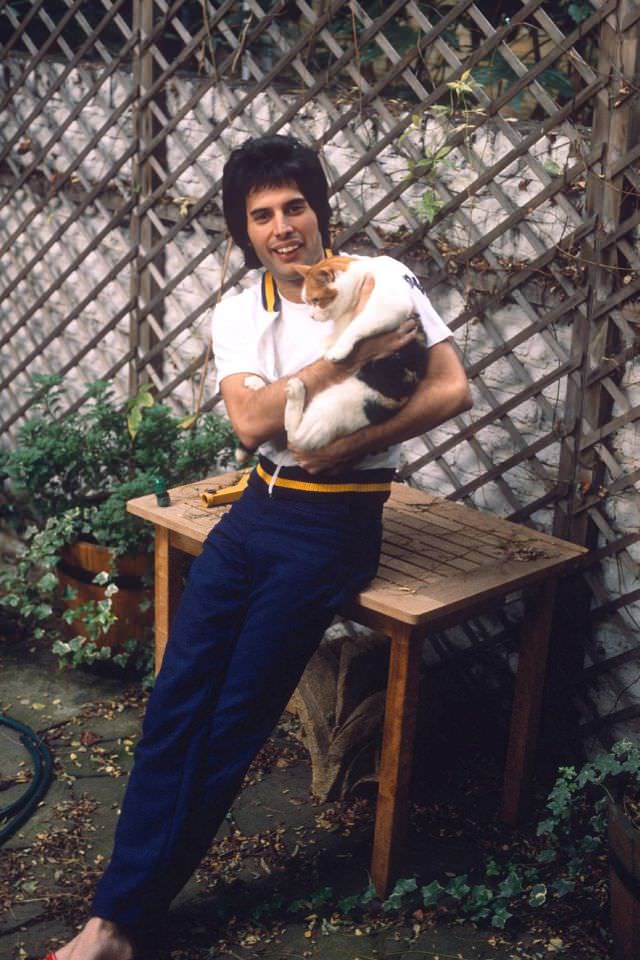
(16, 813)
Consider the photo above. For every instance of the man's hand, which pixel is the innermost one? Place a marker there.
(381, 345)
(336, 455)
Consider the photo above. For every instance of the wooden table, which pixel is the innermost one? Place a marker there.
(441, 562)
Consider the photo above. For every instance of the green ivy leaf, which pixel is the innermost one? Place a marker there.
(432, 893)
(458, 887)
(579, 11)
(48, 582)
(102, 577)
(538, 895)
(500, 916)
(510, 887)
(369, 895)
(562, 887)
(545, 826)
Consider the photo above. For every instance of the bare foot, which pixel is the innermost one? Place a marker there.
(98, 940)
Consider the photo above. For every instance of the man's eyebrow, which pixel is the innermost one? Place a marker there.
(259, 210)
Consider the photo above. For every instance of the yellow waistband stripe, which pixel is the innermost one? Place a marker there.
(309, 487)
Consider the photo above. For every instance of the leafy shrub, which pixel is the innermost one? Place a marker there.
(69, 478)
(103, 455)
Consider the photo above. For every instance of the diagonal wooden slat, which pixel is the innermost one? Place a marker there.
(277, 76)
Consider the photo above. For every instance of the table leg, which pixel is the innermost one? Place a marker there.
(168, 588)
(397, 755)
(527, 700)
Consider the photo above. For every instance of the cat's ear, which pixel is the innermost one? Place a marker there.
(325, 275)
(302, 268)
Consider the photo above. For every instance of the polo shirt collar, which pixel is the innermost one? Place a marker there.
(271, 301)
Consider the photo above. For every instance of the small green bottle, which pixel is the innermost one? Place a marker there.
(160, 490)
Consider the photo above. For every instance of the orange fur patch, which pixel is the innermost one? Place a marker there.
(320, 276)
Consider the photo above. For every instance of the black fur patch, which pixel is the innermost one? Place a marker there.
(378, 412)
(395, 377)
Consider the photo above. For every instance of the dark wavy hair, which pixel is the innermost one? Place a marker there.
(271, 162)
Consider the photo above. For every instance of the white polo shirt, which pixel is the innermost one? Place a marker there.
(259, 332)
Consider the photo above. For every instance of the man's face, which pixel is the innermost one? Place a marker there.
(283, 230)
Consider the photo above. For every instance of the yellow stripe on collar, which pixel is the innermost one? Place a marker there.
(309, 487)
(270, 294)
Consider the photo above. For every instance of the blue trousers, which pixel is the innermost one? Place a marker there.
(270, 578)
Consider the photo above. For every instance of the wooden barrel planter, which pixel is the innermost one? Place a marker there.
(79, 564)
(624, 883)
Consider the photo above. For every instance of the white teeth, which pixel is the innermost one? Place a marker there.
(287, 249)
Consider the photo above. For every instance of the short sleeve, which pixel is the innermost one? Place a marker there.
(434, 326)
(234, 341)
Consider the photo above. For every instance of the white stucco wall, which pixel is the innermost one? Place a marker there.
(516, 186)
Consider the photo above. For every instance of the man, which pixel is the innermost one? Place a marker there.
(279, 564)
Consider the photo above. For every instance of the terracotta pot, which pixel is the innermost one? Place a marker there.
(79, 564)
(624, 884)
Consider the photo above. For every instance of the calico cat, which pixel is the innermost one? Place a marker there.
(332, 289)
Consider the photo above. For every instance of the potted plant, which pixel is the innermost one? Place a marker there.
(84, 558)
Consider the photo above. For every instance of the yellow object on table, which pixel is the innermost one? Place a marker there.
(223, 495)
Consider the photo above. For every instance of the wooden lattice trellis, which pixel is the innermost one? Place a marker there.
(498, 158)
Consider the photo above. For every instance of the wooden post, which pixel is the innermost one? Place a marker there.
(146, 324)
(397, 754)
(616, 126)
(168, 566)
(527, 699)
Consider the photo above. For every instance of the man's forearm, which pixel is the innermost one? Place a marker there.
(426, 409)
(258, 415)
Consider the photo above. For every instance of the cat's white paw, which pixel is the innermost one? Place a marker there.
(339, 351)
(295, 393)
(254, 382)
(295, 390)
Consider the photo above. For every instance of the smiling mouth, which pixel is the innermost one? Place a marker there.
(287, 250)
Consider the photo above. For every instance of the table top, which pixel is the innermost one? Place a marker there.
(438, 557)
